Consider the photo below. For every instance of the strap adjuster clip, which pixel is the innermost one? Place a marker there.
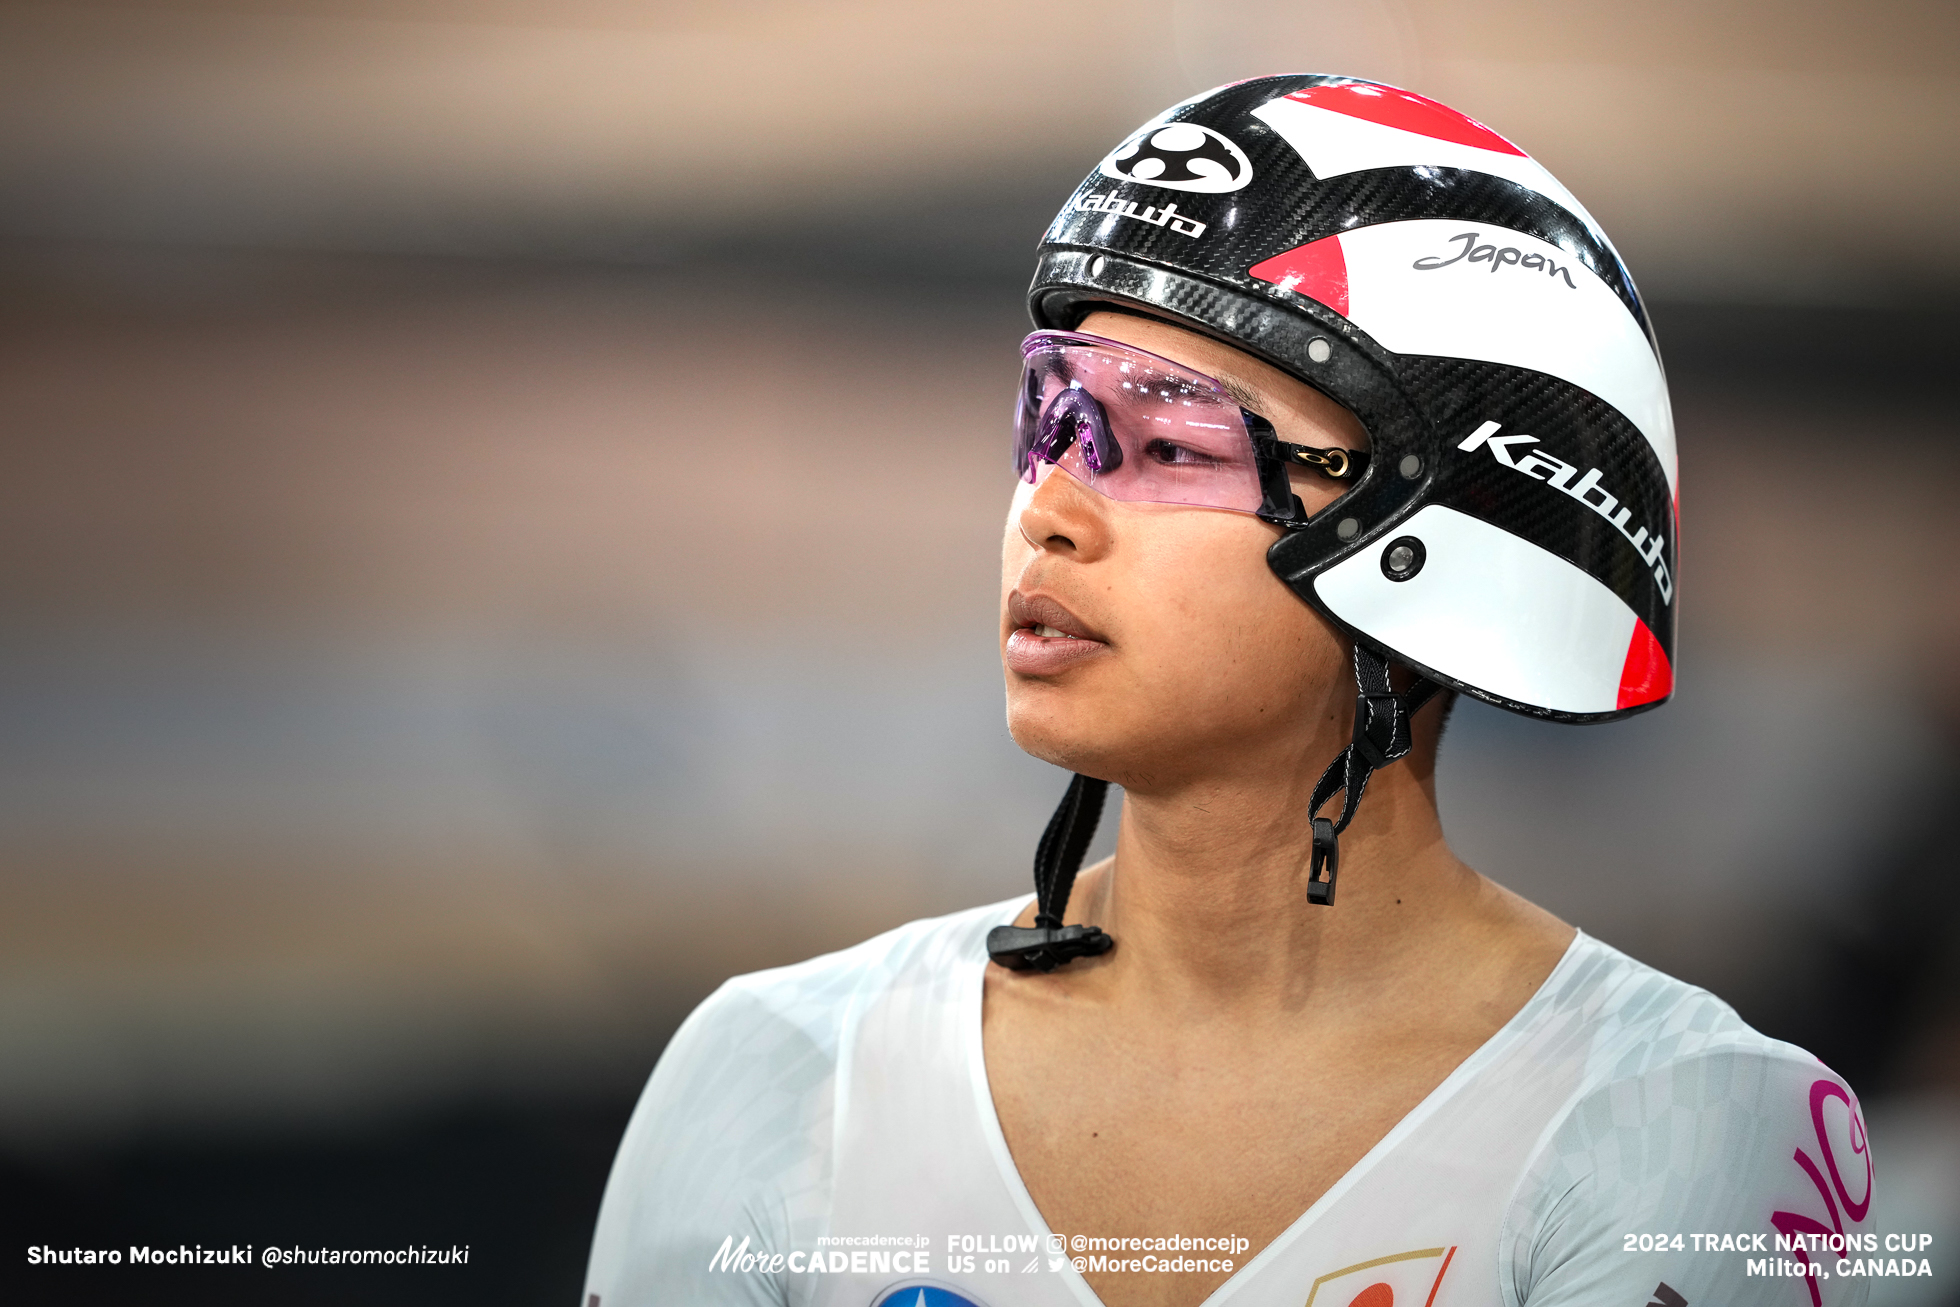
(1381, 728)
(1326, 853)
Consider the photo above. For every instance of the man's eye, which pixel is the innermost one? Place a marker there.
(1170, 452)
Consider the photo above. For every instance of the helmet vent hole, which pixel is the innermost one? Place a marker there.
(1348, 528)
(1319, 350)
(1410, 467)
(1403, 558)
(1096, 265)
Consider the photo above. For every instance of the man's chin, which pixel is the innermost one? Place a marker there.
(1077, 739)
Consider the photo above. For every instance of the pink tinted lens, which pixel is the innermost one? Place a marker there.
(1150, 431)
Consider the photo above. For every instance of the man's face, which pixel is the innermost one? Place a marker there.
(1191, 658)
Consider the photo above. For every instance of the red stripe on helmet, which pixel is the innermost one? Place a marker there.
(1647, 675)
(1317, 269)
(1405, 111)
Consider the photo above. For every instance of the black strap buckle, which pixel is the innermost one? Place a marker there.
(1043, 948)
(1048, 943)
(1326, 853)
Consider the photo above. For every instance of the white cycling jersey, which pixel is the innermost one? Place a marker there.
(824, 1134)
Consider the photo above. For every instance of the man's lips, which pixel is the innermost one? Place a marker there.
(1047, 638)
(1038, 610)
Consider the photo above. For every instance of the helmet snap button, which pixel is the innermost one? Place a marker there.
(1410, 467)
(1347, 528)
(1403, 558)
(1096, 265)
(1319, 350)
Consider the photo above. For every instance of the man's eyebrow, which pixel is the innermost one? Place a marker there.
(1246, 396)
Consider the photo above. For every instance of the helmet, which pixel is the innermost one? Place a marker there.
(1424, 272)
(1513, 534)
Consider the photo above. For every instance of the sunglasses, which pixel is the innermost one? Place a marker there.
(1140, 428)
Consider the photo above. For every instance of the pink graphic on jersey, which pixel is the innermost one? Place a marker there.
(1795, 1225)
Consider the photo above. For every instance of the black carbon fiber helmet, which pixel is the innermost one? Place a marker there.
(1513, 535)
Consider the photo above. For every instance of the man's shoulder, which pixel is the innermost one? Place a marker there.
(732, 1137)
(1673, 1080)
(755, 1064)
(816, 996)
(1685, 1118)
(1635, 1020)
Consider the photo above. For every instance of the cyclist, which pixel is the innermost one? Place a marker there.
(1338, 407)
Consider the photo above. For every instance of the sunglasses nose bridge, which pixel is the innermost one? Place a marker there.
(1075, 417)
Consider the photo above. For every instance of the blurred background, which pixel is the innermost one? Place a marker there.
(467, 587)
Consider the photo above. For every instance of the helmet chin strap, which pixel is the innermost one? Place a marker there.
(1381, 735)
(1048, 943)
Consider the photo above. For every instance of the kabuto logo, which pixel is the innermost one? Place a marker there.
(1167, 216)
(1180, 157)
(1560, 476)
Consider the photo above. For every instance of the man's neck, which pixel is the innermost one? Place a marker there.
(1207, 899)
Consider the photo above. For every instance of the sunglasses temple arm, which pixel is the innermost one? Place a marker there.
(1281, 505)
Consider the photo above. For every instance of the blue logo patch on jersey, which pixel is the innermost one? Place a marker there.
(916, 1294)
